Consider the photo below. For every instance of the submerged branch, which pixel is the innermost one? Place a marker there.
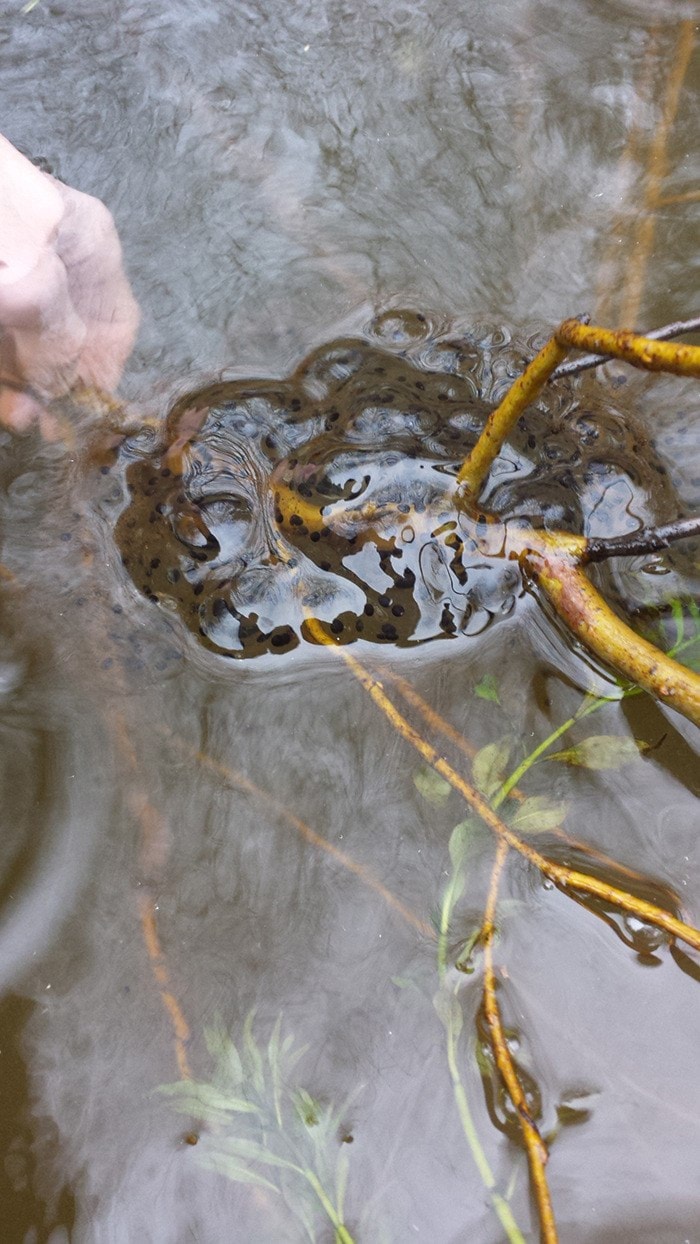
(153, 850)
(657, 167)
(534, 1145)
(567, 878)
(159, 967)
(361, 871)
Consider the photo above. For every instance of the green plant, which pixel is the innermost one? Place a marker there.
(259, 1127)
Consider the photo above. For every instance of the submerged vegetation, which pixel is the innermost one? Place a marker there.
(254, 1122)
(493, 783)
(516, 1106)
(259, 1129)
(514, 806)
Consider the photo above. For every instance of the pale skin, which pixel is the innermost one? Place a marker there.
(67, 314)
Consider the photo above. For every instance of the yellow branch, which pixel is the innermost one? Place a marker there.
(568, 878)
(681, 360)
(669, 356)
(534, 1145)
(592, 620)
(501, 420)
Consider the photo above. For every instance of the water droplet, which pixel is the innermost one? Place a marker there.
(645, 938)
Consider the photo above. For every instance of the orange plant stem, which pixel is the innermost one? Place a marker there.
(656, 172)
(534, 1145)
(568, 879)
(363, 874)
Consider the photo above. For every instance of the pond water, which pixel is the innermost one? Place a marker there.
(212, 862)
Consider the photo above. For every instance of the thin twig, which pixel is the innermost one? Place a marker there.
(569, 879)
(646, 540)
(656, 172)
(161, 974)
(534, 1145)
(364, 874)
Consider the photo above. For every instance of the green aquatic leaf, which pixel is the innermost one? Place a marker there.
(464, 961)
(602, 751)
(568, 1115)
(307, 1108)
(538, 813)
(431, 786)
(449, 1011)
(252, 1151)
(484, 1060)
(490, 766)
(461, 841)
(407, 983)
(679, 620)
(289, 1057)
(234, 1170)
(229, 1068)
(206, 1101)
(265, 1070)
(342, 1170)
(487, 689)
(273, 1058)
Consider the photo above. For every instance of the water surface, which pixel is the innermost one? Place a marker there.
(190, 838)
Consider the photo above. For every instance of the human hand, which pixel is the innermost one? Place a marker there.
(67, 314)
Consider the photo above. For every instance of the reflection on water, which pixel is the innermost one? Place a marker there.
(189, 842)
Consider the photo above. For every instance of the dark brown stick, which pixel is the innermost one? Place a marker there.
(646, 540)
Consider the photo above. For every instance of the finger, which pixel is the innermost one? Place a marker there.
(18, 411)
(30, 211)
(42, 334)
(89, 247)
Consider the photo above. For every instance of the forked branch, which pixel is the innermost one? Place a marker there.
(555, 560)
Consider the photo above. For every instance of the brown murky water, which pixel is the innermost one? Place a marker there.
(196, 845)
